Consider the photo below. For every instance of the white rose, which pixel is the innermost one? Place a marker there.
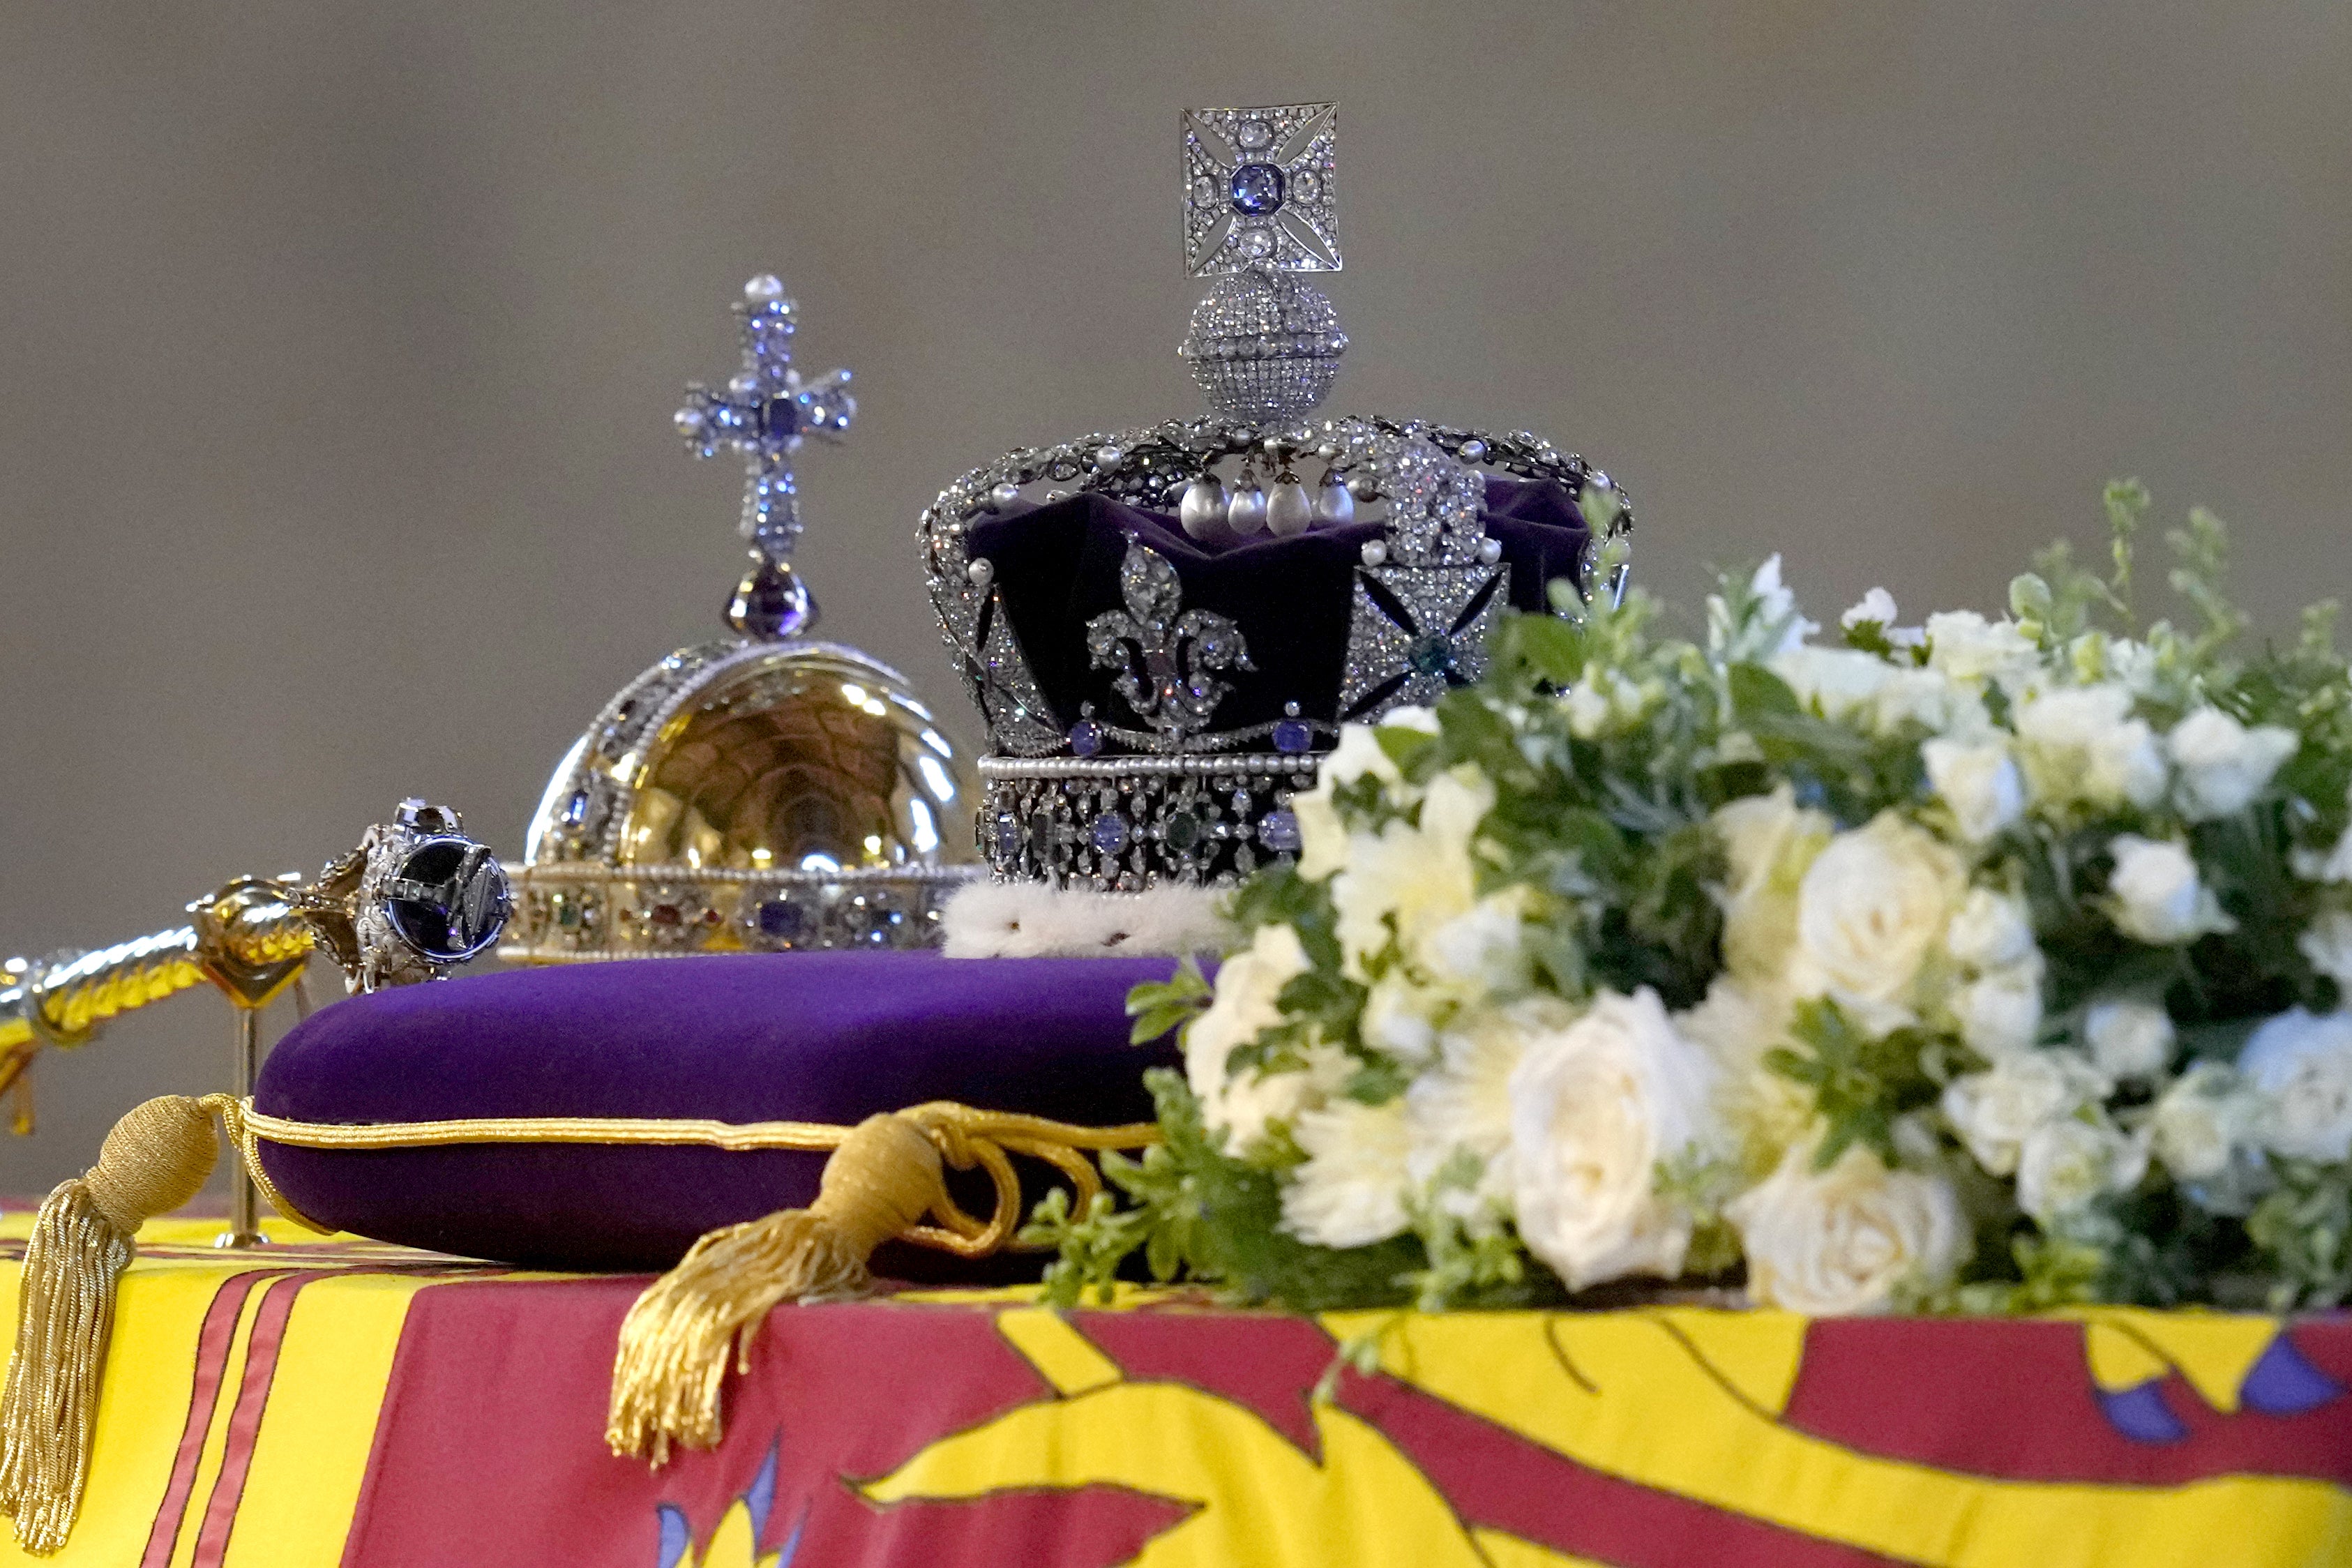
(2155, 894)
(1965, 646)
(2223, 764)
(1596, 1108)
(1256, 1101)
(1870, 908)
(1485, 946)
(2064, 1164)
(2082, 744)
(1994, 1111)
(2201, 1121)
(1350, 1190)
(1768, 843)
(1991, 930)
(1979, 783)
(2328, 945)
(2303, 1064)
(2000, 1011)
(2128, 1039)
(1848, 1239)
(1877, 605)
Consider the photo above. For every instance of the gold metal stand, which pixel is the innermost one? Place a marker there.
(251, 975)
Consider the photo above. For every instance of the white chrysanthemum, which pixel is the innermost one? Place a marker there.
(1965, 646)
(2066, 1164)
(1350, 1190)
(1979, 781)
(2222, 764)
(1412, 879)
(1870, 909)
(2081, 744)
(2302, 1062)
(1243, 1008)
(1596, 1108)
(2201, 1121)
(1463, 1104)
(2128, 1038)
(1994, 1111)
(1848, 1239)
(2155, 895)
(2328, 945)
(1767, 844)
(1762, 1111)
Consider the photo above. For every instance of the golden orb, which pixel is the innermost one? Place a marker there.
(748, 794)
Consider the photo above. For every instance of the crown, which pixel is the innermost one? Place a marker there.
(1165, 627)
(763, 791)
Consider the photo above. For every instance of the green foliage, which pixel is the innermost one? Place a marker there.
(1160, 1006)
(1861, 1082)
(2302, 1234)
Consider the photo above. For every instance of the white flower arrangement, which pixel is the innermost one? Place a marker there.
(1981, 964)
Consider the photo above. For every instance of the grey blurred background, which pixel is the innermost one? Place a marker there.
(338, 343)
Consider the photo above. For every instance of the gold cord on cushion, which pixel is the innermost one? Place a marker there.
(156, 1159)
(886, 1175)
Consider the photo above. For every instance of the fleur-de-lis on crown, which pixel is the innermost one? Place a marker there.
(1164, 652)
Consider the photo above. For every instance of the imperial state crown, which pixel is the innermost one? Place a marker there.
(765, 790)
(1165, 627)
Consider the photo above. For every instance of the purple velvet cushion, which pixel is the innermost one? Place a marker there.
(816, 1037)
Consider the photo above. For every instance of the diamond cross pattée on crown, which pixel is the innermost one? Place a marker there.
(1164, 653)
(764, 412)
(1258, 189)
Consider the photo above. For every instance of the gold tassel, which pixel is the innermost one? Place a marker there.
(156, 1159)
(882, 1180)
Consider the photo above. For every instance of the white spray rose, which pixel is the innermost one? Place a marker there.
(2302, 1063)
(1991, 929)
(1848, 1239)
(1877, 605)
(1485, 946)
(1256, 1100)
(1596, 1108)
(1775, 625)
(1840, 682)
(2223, 764)
(1994, 1111)
(2201, 1121)
(1350, 1190)
(1965, 646)
(2000, 1011)
(2156, 896)
(2066, 1164)
(1979, 781)
(2328, 945)
(2128, 1039)
(1322, 838)
(1400, 1019)
(2082, 744)
(1871, 906)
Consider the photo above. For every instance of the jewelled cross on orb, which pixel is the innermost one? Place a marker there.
(1258, 189)
(764, 414)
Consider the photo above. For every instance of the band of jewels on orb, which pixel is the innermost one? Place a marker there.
(586, 911)
(1122, 824)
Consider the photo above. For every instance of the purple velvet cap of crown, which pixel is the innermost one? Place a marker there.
(816, 1037)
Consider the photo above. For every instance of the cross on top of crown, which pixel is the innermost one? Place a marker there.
(1257, 189)
(764, 412)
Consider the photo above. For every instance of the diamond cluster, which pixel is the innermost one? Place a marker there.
(1123, 825)
(1258, 190)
